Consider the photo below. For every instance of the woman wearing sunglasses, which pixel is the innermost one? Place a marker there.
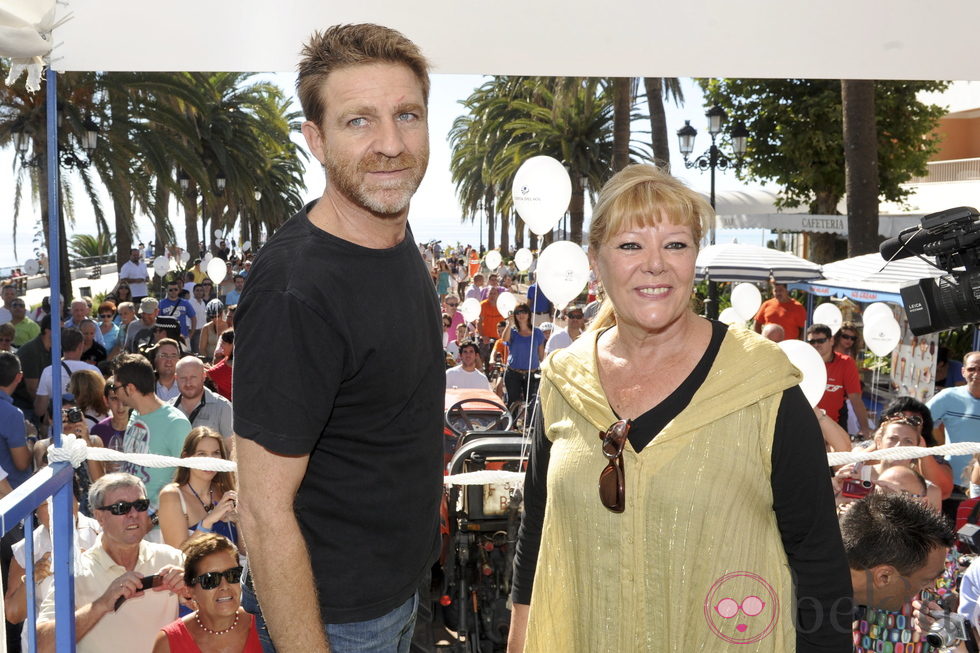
(213, 576)
(710, 465)
(847, 340)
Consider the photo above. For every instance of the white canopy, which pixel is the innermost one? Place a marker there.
(757, 209)
(832, 39)
(869, 278)
(734, 262)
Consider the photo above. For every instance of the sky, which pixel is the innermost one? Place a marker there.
(434, 215)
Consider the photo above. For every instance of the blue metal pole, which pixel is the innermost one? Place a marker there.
(30, 588)
(62, 519)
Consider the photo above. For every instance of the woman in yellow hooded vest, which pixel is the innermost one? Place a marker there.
(713, 525)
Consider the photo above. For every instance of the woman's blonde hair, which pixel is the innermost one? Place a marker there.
(643, 195)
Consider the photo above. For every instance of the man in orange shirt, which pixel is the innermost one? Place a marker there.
(486, 324)
(782, 310)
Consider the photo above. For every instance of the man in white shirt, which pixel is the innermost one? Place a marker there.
(575, 325)
(466, 374)
(73, 345)
(199, 304)
(134, 273)
(114, 570)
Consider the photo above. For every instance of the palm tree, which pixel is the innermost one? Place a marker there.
(89, 246)
(659, 90)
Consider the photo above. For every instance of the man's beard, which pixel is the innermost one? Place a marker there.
(383, 198)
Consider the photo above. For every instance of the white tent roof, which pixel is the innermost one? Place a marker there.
(868, 278)
(757, 209)
(831, 39)
(734, 262)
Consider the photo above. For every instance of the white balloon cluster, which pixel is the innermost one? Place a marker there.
(828, 314)
(881, 330)
(563, 271)
(746, 300)
(541, 192)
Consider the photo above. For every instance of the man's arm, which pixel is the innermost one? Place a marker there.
(21, 457)
(31, 385)
(87, 616)
(41, 403)
(859, 410)
(277, 551)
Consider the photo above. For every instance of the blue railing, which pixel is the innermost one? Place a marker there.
(56, 479)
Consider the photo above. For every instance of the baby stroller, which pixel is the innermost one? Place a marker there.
(480, 534)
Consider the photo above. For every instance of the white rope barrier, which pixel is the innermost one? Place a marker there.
(902, 453)
(76, 451)
(485, 477)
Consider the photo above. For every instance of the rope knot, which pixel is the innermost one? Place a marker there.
(72, 450)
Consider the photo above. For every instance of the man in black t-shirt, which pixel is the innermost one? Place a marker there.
(339, 416)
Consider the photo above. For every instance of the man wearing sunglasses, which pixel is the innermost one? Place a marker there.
(113, 611)
(956, 412)
(843, 382)
(575, 325)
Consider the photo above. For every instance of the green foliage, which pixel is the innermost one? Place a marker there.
(959, 341)
(88, 246)
(796, 128)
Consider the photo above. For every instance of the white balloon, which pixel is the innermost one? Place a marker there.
(5, 315)
(470, 308)
(541, 192)
(31, 267)
(563, 271)
(217, 269)
(184, 257)
(523, 259)
(746, 300)
(493, 260)
(806, 358)
(729, 316)
(161, 265)
(882, 335)
(205, 260)
(506, 303)
(828, 313)
(247, 245)
(875, 309)
(217, 233)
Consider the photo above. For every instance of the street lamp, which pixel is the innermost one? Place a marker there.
(89, 142)
(713, 159)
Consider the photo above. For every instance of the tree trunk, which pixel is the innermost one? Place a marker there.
(532, 240)
(66, 290)
(822, 247)
(124, 237)
(576, 210)
(190, 222)
(861, 165)
(658, 121)
(504, 234)
(622, 103)
(518, 231)
(491, 236)
(547, 239)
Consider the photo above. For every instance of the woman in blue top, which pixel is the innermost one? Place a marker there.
(526, 353)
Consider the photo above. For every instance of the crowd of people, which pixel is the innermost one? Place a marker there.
(138, 374)
(677, 495)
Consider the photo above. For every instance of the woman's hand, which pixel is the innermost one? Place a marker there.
(42, 568)
(227, 507)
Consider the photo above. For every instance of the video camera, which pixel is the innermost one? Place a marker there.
(953, 237)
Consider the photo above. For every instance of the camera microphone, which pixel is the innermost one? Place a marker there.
(909, 242)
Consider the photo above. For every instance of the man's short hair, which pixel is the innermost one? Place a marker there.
(71, 339)
(968, 355)
(471, 344)
(127, 305)
(45, 323)
(135, 369)
(822, 329)
(342, 46)
(892, 529)
(101, 487)
(9, 367)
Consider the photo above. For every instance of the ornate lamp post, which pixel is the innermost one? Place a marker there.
(713, 159)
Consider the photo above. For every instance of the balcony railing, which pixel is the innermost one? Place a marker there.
(946, 171)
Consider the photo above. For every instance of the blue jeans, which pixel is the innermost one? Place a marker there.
(389, 633)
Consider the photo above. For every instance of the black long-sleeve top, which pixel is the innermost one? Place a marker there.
(799, 461)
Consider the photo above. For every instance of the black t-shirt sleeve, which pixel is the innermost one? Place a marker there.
(803, 500)
(535, 497)
(288, 368)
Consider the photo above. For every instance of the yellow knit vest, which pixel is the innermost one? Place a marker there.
(699, 534)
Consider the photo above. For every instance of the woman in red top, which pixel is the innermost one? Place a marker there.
(213, 577)
(221, 373)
